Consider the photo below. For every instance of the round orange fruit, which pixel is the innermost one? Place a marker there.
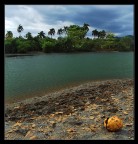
(113, 124)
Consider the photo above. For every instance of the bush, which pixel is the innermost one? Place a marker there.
(87, 45)
(23, 46)
(64, 45)
(10, 46)
(48, 46)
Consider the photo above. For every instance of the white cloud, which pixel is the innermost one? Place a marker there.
(36, 18)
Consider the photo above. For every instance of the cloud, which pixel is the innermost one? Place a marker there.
(118, 19)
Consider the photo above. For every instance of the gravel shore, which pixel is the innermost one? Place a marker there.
(76, 113)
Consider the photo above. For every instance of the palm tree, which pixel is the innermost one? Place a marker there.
(9, 35)
(20, 29)
(110, 35)
(60, 31)
(95, 33)
(101, 34)
(51, 32)
(86, 26)
(65, 30)
(29, 36)
(41, 34)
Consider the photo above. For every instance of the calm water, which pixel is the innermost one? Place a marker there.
(36, 75)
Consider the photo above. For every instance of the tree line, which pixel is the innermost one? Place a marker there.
(74, 40)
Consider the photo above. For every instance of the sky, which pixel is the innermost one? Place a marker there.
(118, 19)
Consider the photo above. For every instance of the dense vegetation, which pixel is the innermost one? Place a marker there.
(71, 39)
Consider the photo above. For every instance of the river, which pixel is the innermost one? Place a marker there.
(29, 76)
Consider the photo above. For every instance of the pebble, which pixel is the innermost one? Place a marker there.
(21, 131)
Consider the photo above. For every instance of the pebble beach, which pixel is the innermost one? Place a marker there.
(76, 113)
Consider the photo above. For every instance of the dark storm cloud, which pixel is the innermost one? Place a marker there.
(115, 18)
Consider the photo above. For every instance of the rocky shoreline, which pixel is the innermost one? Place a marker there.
(75, 113)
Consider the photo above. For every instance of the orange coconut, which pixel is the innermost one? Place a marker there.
(113, 124)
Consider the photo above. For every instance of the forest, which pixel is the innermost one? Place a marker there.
(70, 39)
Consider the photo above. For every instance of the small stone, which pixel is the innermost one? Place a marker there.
(21, 131)
(129, 124)
(54, 125)
(13, 118)
(82, 108)
(113, 110)
(6, 115)
(103, 116)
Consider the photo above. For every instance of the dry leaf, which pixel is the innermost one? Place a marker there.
(71, 130)
(52, 122)
(84, 118)
(87, 103)
(33, 138)
(10, 131)
(93, 129)
(93, 108)
(17, 107)
(32, 118)
(52, 115)
(125, 112)
(33, 125)
(46, 131)
(40, 130)
(64, 118)
(17, 124)
(73, 114)
(91, 117)
(29, 134)
(124, 91)
(59, 119)
(58, 112)
(86, 129)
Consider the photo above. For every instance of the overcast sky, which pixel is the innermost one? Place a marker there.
(118, 19)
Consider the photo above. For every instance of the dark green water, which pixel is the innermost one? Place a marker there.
(36, 75)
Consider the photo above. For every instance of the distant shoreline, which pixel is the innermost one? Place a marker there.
(40, 53)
